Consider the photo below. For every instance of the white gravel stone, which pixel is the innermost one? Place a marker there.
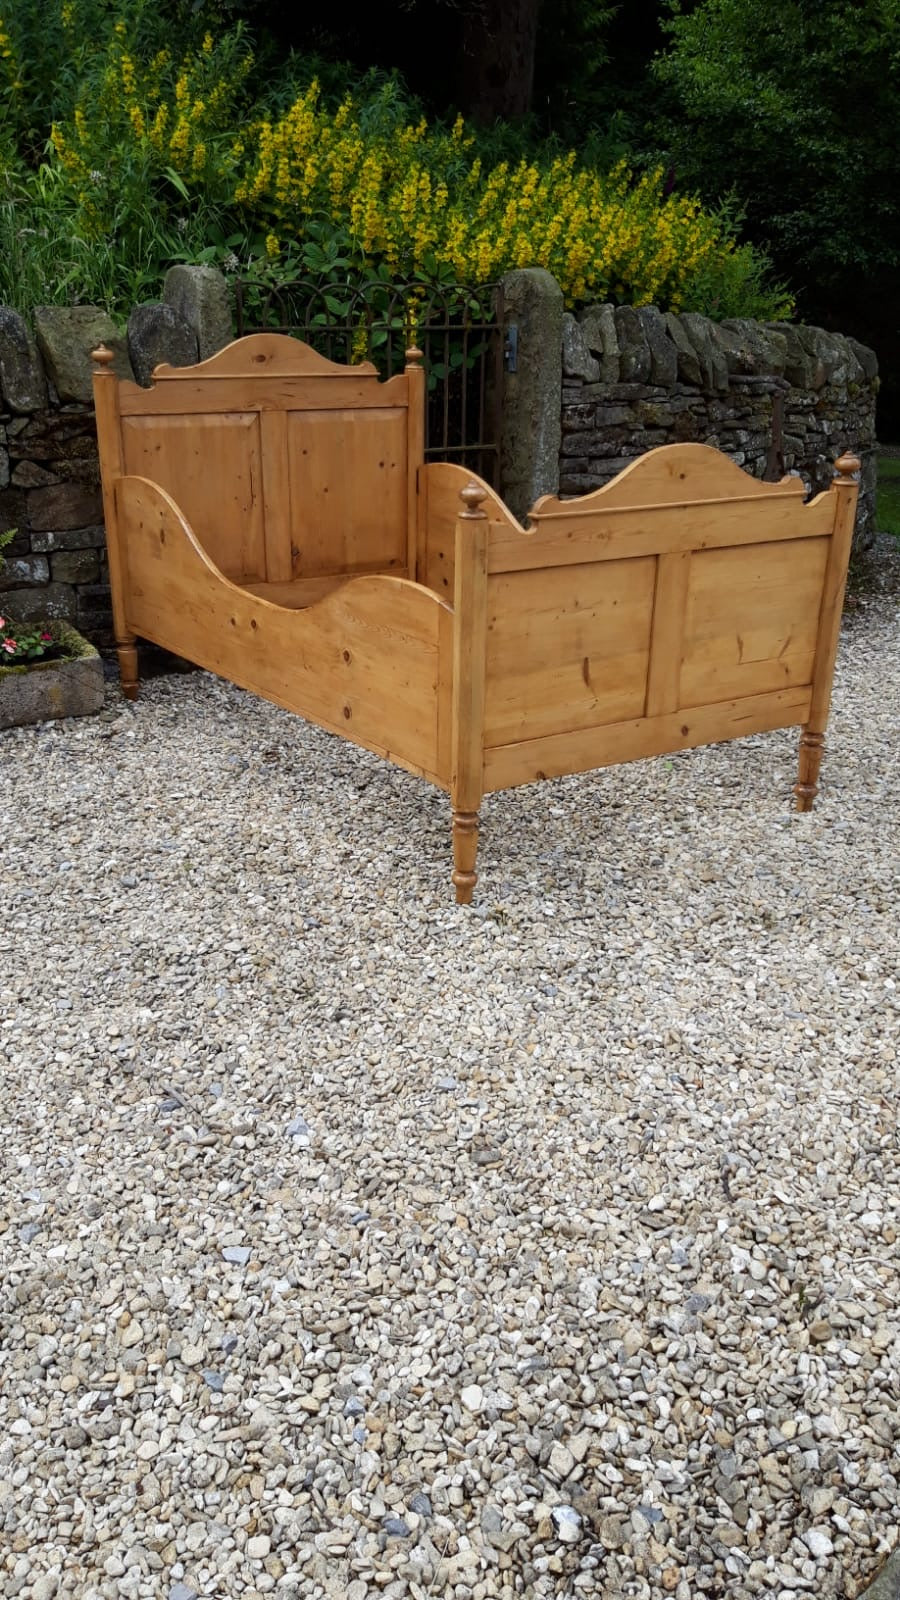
(590, 1196)
(567, 1524)
(472, 1398)
(562, 1461)
(818, 1543)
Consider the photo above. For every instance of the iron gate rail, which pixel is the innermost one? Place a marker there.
(458, 329)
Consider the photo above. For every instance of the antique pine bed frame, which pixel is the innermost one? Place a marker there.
(270, 517)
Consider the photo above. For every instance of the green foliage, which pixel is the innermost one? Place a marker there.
(51, 49)
(21, 642)
(796, 108)
(888, 507)
(49, 257)
(98, 215)
(170, 141)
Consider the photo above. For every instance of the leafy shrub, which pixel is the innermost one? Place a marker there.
(421, 200)
(167, 150)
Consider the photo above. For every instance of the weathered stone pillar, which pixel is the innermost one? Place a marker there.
(532, 399)
(200, 295)
(23, 387)
(157, 335)
(66, 335)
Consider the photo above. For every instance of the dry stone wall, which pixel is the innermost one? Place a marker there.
(55, 567)
(778, 398)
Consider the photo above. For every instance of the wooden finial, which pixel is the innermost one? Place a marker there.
(414, 357)
(103, 357)
(846, 465)
(472, 496)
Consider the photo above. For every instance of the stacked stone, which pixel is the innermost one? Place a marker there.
(636, 378)
(49, 488)
(55, 567)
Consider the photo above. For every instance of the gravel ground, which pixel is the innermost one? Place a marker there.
(354, 1243)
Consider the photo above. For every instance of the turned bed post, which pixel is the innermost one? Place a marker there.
(415, 433)
(812, 739)
(469, 639)
(109, 438)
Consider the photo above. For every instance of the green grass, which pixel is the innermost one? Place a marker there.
(888, 511)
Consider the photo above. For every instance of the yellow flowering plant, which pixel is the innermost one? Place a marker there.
(420, 200)
(152, 123)
(164, 146)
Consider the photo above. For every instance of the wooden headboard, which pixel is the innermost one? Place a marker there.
(285, 464)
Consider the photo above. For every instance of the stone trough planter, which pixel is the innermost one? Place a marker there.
(71, 687)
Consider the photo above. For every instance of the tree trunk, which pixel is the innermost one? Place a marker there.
(498, 47)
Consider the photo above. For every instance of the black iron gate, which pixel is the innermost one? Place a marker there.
(459, 331)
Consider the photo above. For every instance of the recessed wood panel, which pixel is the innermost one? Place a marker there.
(751, 620)
(211, 468)
(348, 490)
(567, 647)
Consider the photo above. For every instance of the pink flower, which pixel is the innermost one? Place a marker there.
(10, 645)
(2, 622)
(46, 636)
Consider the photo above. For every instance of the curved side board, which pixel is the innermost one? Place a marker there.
(370, 661)
(674, 499)
(440, 486)
(672, 474)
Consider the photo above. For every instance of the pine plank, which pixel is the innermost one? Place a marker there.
(751, 619)
(276, 478)
(667, 634)
(212, 467)
(362, 662)
(440, 485)
(298, 593)
(567, 647)
(601, 534)
(223, 394)
(348, 490)
(605, 746)
(674, 474)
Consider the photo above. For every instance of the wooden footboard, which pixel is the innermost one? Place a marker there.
(684, 604)
(370, 661)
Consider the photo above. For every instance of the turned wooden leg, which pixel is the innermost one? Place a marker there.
(465, 849)
(812, 746)
(126, 650)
